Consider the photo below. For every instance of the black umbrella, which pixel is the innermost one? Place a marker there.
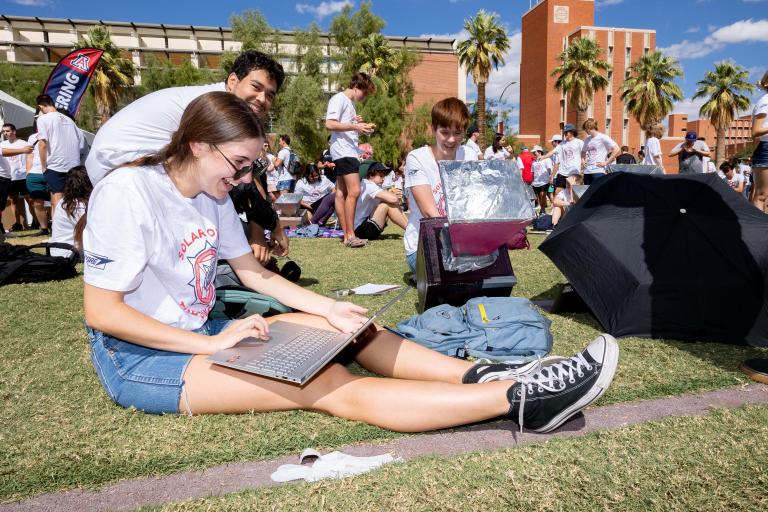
(682, 257)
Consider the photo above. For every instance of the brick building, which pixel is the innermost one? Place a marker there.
(28, 40)
(547, 29)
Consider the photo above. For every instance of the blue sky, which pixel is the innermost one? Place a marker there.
(697, 32)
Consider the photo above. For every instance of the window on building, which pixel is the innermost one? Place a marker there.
(610, 54)
(608, 126)
(628, 55)
(626, 75)
(608, 101)
(562, 110)
(625, 132)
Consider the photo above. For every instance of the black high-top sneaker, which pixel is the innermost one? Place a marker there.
(489, 372)
(545, 400)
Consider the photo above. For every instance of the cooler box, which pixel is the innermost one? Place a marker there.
(287, 205)
(436, 286)
(486, 204)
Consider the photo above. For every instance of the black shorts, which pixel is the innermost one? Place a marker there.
(541, 189)
(368, 230)
(591, 178)
(19, 188)
(560, 181)
(55, 180)
(346, 165)
(5, 188)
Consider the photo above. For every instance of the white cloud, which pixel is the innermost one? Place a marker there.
(689, 106)
(693, 30)
(32, 3)
(744, 31)
(599, 4)
(322, 9)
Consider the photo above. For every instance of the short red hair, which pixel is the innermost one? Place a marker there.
(450, 113)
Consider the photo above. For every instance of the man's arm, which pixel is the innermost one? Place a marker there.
(42, 148)
(16, 151)
(422, 194)
(675, 151)
(335, 126)
(390, 198)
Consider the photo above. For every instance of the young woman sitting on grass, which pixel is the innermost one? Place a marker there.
(155, 231)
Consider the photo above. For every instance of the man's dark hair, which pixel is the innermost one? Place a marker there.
(44, 100)
(10, 125)
(362, 82)
(252, 60)
(625, 149)
(725, 166)
(286, 138)
(377, 169)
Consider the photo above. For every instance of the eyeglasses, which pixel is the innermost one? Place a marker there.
(257, 167)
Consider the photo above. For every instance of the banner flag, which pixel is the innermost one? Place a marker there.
(69, 79)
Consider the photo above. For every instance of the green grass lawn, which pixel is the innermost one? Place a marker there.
(716, 462)
(60, 430)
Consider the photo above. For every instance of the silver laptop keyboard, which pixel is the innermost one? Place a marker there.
(294, 354)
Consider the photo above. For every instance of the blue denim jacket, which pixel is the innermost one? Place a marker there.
(499, 328)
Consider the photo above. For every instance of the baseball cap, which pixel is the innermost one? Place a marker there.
(537, 148)
(378, 166)
(472, 129)
(523, 148)
(569, 128)
(691, 136)
(556, 138)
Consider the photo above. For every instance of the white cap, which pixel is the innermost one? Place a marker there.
(556, 137)
(537, 148)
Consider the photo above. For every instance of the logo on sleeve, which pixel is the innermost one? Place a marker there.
(96, 261)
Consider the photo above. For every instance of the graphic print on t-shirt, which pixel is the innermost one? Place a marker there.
(201, 255)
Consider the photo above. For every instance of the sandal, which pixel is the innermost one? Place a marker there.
(356, 242)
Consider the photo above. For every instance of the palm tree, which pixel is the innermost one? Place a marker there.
(376, 54)
(580, 75)
(722, 88)
(113, 75)
(649, 93)
(482, 50)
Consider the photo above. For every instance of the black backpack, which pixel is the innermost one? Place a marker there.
(542, 223)
(20, 264)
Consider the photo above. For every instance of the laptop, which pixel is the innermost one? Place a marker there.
(294, 352)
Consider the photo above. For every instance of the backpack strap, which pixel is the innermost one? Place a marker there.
(74, 255)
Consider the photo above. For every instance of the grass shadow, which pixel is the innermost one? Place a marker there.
(307, 281)
(721, 355)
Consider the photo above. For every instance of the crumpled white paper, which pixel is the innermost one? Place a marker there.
(331, 465)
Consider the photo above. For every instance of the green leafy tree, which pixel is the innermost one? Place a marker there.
(723, 90)
(161, 74)
(376, 55)
(348, 29)
(113, 76)
(23, 82)
(301, 112)
(580, 75)
(482, 52)
(418, 126)
(650, 91)
(309, 51)
(254, 32)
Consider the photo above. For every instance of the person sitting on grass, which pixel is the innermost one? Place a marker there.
(318, 193)
(155, 231)
(450, 118)
(73, 202)
(562, 203)
(375, 205)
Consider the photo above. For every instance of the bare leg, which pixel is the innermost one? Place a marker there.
(340, 201)
(396, 404)
(40, 213)
(760, 187)
(397, 216)
(352, 187)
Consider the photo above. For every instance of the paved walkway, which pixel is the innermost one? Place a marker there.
(230, 478)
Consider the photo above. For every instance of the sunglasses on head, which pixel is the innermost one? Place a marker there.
(256, 167)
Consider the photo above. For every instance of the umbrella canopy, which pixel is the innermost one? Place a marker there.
(15, 111)
(682, 257)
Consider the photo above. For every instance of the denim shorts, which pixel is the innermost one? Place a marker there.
(136, 376)
(760, 156)
(410, 259)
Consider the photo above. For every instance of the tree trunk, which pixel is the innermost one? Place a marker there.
(481, 113)
(720, 147)
(581, 116)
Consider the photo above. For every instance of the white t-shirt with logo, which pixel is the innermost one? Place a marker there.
(596, 149)
(64, 141)
(284, 155)
(501, 154)
(341, 109)
(761, 107)
(36, 168)
(311, 192)
(541, 171)
(652, 148)
(141, 128)
(421, 169)
(274, 173)
(17, 165)
(144, 238)
(569, 155)
(366, 201)
(472, 145)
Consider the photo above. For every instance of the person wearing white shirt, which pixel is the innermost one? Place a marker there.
(58, 141)
(14, 167)
(283, 163)
(147, 124)
(375, 205)
(496, 151)
(734, 179)
(70, 210)
(760, 155)
(38, 188)
(345, 125)
(746, 171)
(542, 170)
(156, 230)
(271, 173)
(422, 176)
(691, 154)
(473, 135)
(315, 190)
(652, 149)
(568, 159)
(599, 151)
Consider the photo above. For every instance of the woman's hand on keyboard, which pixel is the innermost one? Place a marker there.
(346, 316)
(253, 326)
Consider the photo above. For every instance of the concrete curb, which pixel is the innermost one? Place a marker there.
(229, 478)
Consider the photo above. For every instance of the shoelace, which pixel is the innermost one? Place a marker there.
(514, 373)
(551, 378)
